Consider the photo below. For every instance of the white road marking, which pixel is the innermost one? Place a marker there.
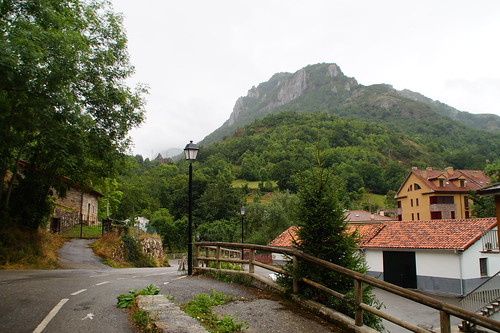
(180, 277)
(154, 274)
(78, 292)
(101, 283)
(51, 315)
(99, 275)
(89, 316)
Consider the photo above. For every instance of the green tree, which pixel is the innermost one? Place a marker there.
(324, 234)
(218, 231)
(65, 107)
(172, 232)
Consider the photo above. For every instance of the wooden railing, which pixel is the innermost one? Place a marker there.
(445, 310)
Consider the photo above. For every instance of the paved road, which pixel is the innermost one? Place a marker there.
(82, 300)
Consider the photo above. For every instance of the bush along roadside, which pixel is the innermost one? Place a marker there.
(200, 308)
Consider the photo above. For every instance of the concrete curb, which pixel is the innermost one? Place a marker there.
(167, 316)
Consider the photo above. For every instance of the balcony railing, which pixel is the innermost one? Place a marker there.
(490, 240)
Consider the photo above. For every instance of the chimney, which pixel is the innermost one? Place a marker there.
(449, 170)
(429, 168)
(474, 173)
(414, 168)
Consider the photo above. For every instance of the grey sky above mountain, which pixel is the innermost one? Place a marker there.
(199, 56)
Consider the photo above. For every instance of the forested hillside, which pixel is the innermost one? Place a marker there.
(368, 137)
(324, 88)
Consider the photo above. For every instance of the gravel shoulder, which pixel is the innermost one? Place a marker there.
(262, 311)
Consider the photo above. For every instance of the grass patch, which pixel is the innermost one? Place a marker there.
(236, 278)
(29, 249)
(375, 200)
(200, 308)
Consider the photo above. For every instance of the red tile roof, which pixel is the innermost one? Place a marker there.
(286, 238)
(474, 179)
(434, 234)
(366, 231)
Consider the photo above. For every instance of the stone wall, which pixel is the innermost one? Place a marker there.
(152, 246)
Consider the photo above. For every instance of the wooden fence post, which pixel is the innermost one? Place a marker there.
(251, 268)
(217, 257)
(295, 281)
(196, 255)
(358, 299)
(444, 318)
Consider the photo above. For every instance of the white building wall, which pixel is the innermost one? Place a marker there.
(375, 260)
(445, 264)
(470, 261)
(470, 265)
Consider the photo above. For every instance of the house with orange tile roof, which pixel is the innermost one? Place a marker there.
(443, 256)
(438, 194)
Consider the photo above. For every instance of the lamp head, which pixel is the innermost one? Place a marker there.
(191, 151)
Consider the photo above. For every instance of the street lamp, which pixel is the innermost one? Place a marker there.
(190, 152)
(242, 212)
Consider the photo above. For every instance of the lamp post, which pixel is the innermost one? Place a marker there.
(242, 212)
(190, 152)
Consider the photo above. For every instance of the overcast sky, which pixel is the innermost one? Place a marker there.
(198, 57)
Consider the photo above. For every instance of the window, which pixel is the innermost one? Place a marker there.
(418, 216)
(441, 183)
(462, 183)
(416, 186)
(442, 200)
(399, 203)
(416, 201)
(412, 217)
(452, 215)
(400, 217)
(467, 214)
(410, 188)
(436, 216)
(466, 202)
(411, 202)
(483, 266)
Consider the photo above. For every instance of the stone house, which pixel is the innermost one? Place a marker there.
(79, 204)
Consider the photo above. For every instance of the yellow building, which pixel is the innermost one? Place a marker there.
(435, 194)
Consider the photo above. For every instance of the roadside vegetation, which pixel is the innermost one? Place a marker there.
(29, 250)
(141, 318)
(200, 308)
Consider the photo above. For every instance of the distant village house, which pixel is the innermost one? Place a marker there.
(436, 194)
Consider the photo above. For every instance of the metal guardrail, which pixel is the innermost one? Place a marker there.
(483, 295)
(445, 310)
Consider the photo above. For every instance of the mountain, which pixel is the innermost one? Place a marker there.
(325, 88)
